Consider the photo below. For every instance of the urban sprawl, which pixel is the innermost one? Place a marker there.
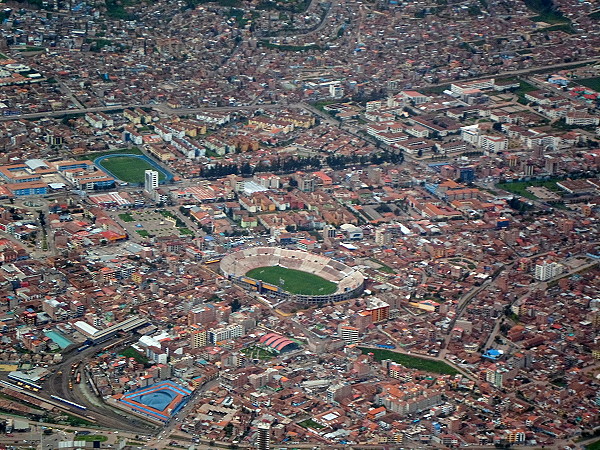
(299, 224)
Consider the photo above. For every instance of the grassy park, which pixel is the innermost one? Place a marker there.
(592, 83)
(91, 437)
(256, 352)
(131, 352)
(309, 423)
(293, 281)
(383, 267)
(546, 11)
(520, 187)
(150, 223)
(525, 87)
(411, 362)
(593, 446)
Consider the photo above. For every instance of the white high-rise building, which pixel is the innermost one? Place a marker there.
(150, 180)
(350, 335)
(225, 333)
(383, 236)
(336, 91)
(545, 270)
(263, 440)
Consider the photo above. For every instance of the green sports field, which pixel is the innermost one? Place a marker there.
(128, 168)
(593, 83)
(294, 281)
(410, 361)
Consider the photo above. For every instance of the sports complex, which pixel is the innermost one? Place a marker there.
(293, 274)
(158, 402)
(130, 167)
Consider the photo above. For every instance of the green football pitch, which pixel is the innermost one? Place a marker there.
(128, 168)
(293, 281)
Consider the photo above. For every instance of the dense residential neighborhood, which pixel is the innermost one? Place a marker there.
(299, 224)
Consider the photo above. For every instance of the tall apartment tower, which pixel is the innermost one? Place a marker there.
(150, 180)
(329, 232)
(383, 236)
(547, 270)
(263, 441)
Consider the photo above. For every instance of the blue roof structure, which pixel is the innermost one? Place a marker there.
(493, 354)
(159, 401)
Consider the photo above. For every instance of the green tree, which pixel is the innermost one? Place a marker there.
(235, 305)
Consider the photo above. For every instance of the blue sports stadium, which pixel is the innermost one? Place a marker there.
(159, 402)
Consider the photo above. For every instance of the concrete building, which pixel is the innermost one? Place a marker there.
(263, 440)
(547, 270)
(383, 236)
(199, 339)
(150, 180)
(379, 310)
(348, 334)
(225, 333)
(337, 392)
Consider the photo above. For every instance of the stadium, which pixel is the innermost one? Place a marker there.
(335, 280)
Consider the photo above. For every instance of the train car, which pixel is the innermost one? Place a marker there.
(73, 404)
(24, 383)
(11, 386)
